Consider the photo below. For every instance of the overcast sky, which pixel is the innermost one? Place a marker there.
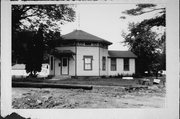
(103, 20)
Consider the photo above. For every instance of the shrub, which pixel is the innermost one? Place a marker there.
(49, 76)
(136, 75)
(103, 76)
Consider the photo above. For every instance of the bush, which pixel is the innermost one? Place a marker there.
(103, 76)
(137, 75)
(118, 76)
(49, 76)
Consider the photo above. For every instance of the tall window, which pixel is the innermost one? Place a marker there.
(88, 62)
(52, 63)
(113, 64)
(103, 63)
(126, 64)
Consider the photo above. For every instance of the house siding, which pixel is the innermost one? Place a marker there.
(87, 51)
(120, 67)
(132, 66)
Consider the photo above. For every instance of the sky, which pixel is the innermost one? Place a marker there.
(103, 20)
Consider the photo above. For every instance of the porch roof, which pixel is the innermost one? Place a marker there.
(62, 53)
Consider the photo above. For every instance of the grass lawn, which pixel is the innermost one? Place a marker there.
(87, 81)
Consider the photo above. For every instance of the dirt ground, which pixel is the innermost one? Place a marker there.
(98, 97)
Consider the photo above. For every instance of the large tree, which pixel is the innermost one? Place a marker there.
(29, 41)
(145, 42)
(30, 16)
(146, 45)
(34, 54)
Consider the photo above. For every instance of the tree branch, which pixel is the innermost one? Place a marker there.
(33, 14)
(152, 10)
(139, 11)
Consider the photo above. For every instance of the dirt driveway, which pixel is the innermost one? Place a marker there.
(98, 97)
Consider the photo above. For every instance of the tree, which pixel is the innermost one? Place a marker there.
(29, 17)
(144, 42)
(34, 27)
(158, 20)
(34, 58)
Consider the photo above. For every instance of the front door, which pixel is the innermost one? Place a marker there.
(65, 65)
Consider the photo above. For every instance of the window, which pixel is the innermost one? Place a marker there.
(113, 64)
(103, 63)
(88, 62)
(126, 64)
(64, 61)
(52, 63)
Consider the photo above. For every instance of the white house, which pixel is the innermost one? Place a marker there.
(83, 54)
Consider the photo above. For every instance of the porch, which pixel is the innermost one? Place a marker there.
(62, 63)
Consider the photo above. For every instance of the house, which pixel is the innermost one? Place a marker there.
(83, 54)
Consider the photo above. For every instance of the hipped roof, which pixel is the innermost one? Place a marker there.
(79, 35)
(121, 54)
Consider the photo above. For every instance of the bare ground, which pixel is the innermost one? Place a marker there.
(98, 97)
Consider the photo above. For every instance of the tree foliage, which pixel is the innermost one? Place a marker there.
(158, 20)
(147, 44)
(29, 41)
(29, 17)
(34, 58)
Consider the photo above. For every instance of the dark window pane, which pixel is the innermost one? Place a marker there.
(64, 62)
(113, 64)
(104, 63)
(126, 64)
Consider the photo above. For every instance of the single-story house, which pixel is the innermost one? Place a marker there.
(82, 54)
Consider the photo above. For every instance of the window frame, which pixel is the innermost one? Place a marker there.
(115, 64)
(91, 63)
(126, 64)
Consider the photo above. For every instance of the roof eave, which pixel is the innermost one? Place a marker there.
(106, 42)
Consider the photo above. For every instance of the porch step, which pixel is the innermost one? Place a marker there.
(60, 77)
